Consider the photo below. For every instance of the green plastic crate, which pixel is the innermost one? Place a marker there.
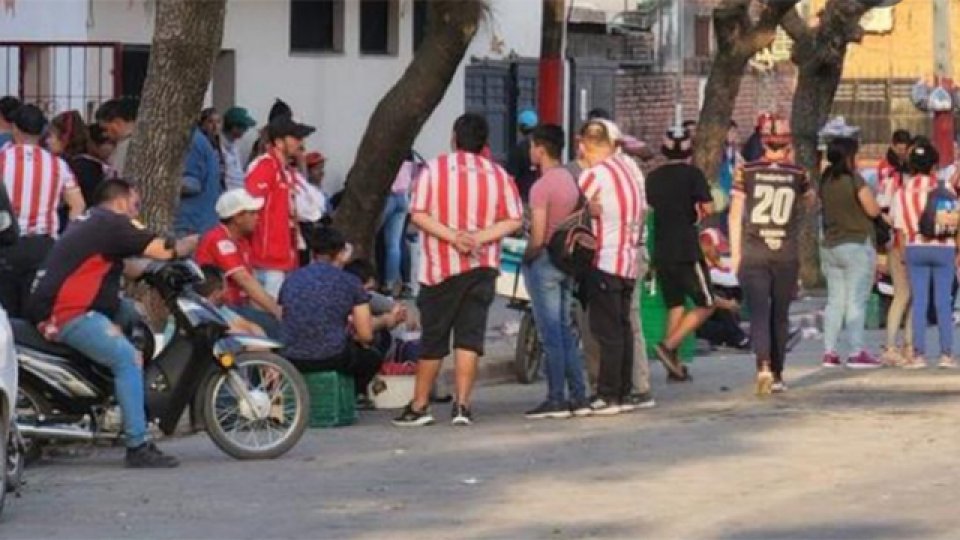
(333, 399)
(653, 312)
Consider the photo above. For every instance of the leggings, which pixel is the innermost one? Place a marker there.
(769, 287)
(923, 264)
(899, 314)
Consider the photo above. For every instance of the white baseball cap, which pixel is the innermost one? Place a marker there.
(235, 201)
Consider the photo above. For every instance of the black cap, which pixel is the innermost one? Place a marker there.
(286, 127)
(30, 120)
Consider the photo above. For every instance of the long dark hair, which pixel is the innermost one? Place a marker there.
(841, 154)
(73, 132)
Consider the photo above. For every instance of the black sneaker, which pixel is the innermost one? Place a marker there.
(580, 407)
(686, 377)
(670, 360)
(461, 415)
(641, 400)
(794, 337)
(148, 456)
(413, 418)
(549, 409)
(602, 407)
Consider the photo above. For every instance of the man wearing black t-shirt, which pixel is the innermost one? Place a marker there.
(680, 197)
(77, 299)
(765, 220)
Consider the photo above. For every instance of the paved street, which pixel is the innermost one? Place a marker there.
(843, 455)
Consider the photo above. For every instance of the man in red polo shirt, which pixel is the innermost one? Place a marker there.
(463, 204)
(227, 246)
(270, 177)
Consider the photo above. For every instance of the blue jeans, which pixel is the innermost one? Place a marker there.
(551, 294)
(261, 318)
(394, 217)
(271, 281)
(849, 269)
(97, 337)
(924, 262)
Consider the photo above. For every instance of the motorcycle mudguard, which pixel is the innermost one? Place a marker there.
(172, 379)
(72, 385)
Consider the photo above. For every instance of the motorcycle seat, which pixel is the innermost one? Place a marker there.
(26, 334)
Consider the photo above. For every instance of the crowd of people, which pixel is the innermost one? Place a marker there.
(257, 221)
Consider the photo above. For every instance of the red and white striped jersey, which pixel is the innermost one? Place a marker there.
(35, 180)
(465, 192)
(619, 184)
(908, 204)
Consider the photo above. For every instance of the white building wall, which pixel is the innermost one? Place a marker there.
(335, 92)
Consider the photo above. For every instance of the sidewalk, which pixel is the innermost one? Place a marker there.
(497, 366)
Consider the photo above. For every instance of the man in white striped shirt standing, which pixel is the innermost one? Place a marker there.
(614, 185)
(463, 204)
(36, 182)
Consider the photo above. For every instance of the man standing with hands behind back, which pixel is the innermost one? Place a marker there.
(463, 204)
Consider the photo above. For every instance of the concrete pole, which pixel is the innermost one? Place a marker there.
(943, 128)
(678, 106)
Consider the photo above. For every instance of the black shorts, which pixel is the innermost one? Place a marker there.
(680, 281)
(460, 306)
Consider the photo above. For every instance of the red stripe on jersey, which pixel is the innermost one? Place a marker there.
(632, 191)
(484, 205)
(17, 174)
(443, 195)
(463, 188)
(76, 294)
(622, 202)
(37, 188)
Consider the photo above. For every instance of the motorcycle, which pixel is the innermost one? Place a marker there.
(252, 403)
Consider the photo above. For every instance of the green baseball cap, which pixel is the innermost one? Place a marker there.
(238, 116)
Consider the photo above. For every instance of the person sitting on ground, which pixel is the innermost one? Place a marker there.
(214, 288)
(327, 322)
(388, 314)
(227, 247)
(722, 329)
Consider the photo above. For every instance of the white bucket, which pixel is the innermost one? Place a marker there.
(391, 391)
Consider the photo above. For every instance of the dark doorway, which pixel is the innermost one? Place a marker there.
(134, 69)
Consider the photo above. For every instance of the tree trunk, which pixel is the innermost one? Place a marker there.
(186, 40)
(819, 55)
(550, 84)
(398, 118)
(739, 38)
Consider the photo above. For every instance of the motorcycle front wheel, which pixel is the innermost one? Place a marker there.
(259, 409)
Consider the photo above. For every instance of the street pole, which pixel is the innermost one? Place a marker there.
(943, 128)
(678, 106)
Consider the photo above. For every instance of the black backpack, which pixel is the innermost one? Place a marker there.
(932, 225)
(573, 246)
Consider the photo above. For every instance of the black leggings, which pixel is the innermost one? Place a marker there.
(769, 288)
(359, 362)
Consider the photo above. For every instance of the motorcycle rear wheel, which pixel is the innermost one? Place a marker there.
(270, 426)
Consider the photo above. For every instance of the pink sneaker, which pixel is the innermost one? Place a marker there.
(864, 360)
(831, 360)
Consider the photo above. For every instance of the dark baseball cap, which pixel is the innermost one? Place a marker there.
(238, 116)
(30, 119)
(286, 127)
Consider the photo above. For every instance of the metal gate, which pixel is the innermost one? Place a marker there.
(60, 76)
(499, 91)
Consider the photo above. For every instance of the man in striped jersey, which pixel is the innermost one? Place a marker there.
(36, 181)
(464, 204)
(614, 186)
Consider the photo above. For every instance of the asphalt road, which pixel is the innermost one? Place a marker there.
(843, 455)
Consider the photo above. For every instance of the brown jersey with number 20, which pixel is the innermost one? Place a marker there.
(772, 195)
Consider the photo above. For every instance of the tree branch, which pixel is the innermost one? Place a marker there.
(730, 20)
(795, 27)
(765, 30)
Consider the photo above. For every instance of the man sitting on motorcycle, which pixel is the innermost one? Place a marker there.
(76, 300)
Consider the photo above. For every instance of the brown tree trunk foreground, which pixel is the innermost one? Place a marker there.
(819, 54)
(739, 38)
(398, 118)
(186, 39)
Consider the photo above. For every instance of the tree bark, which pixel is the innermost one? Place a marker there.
(398, 118)
(739, 38)
(550, 84)
(819, 54)
(186, 40)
